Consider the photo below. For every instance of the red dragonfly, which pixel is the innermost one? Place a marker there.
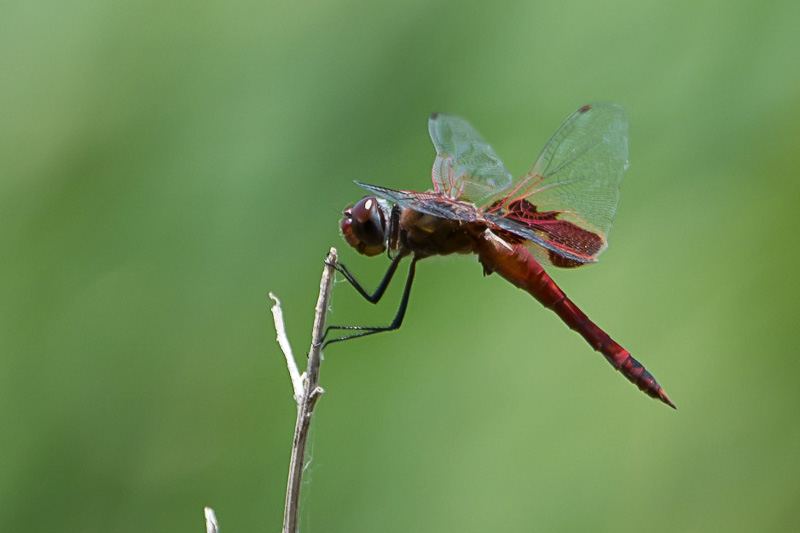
(559, 213)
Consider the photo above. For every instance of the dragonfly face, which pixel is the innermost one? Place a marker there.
(559, 214)
(365, 226)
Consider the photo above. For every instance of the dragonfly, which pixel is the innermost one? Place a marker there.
(558, 214)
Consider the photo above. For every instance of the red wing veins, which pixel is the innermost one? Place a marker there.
(570, 245)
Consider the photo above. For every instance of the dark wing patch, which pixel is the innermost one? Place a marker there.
(565, 244)
(560, 232)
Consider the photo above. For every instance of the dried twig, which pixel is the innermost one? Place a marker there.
(306, 389)
(211, 520)
(306, 393)
(283, 342)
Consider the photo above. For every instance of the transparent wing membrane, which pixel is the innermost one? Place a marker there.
(466, 167)
(571, 194)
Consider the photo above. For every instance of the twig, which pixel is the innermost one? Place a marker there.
(306, 389)
(283, 342)
(211, 520)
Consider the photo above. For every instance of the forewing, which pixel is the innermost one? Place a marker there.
(429, 203)
(401, 198)
(466, 167)
(571, 194)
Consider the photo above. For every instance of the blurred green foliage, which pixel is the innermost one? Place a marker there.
(164, 165)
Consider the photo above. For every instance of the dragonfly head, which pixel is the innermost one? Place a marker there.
(364, 226)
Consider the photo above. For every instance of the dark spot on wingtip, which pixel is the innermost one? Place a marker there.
(585, 108)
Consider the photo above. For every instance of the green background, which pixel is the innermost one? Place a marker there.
(164, 165)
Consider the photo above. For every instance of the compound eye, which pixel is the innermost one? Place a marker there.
(368, 221)
(364, 226)
(364, 209)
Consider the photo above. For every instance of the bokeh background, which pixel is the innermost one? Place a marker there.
(164, 165)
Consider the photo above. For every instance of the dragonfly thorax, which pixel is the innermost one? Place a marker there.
(426, 235)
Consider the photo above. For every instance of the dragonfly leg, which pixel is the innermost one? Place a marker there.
(387, 278)
(401, 311)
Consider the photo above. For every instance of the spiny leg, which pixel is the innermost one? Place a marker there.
(387, 278)
(401, 311)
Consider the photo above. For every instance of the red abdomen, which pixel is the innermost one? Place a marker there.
(516, 264)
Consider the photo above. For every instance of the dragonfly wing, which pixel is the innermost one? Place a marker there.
(465, 166)
(426, 202)
(545, 248)
(571, 194)
(401, 198)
